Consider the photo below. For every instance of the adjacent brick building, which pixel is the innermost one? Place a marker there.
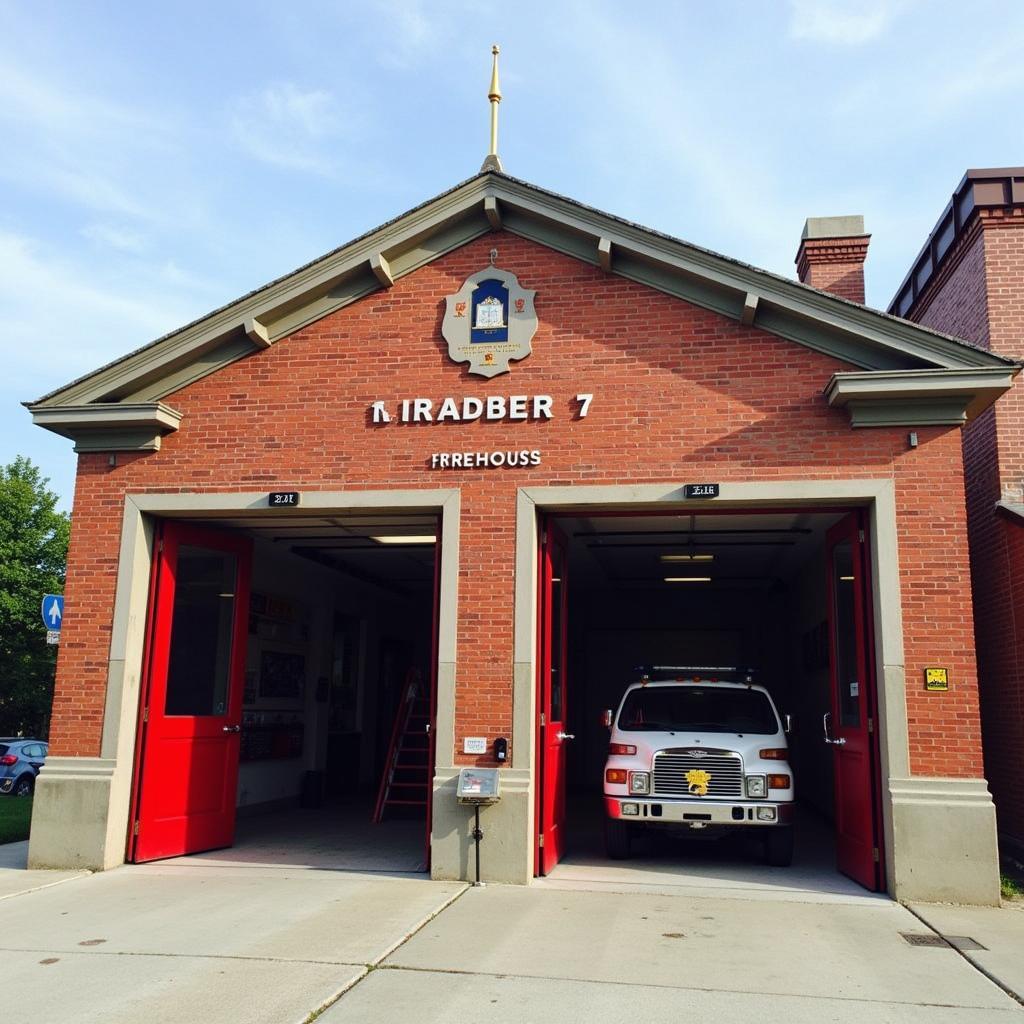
(656, 364)
(969, 281)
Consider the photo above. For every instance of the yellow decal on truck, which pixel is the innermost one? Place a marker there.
(698, 780)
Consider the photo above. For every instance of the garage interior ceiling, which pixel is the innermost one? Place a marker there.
(345, 543)
(755, 550)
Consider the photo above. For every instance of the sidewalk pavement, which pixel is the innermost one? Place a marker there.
(205, 942)
(991, 938)
(15, 879)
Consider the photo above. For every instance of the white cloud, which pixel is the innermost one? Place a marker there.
(113, 237)
(412, 34)
(288, 127)
(841, 22)
(686, 152)
(77, 146)
(997, 70)
(61, 320)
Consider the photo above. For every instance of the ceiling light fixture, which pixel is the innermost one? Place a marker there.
(687, 579)
(396, 538)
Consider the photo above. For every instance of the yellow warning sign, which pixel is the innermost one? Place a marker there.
(936, 679)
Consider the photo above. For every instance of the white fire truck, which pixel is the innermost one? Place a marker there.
(698, 749)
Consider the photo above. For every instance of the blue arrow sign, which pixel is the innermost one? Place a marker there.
(53, 611)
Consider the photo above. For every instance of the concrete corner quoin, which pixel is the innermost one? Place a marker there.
(71, 816)
(944, 833)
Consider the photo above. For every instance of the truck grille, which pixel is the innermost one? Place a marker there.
(724, 766)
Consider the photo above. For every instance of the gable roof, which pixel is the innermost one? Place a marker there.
(866, 338)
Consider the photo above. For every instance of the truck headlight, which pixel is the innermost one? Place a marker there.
(639, 782)
(757, 787)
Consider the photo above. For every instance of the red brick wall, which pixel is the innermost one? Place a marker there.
(979, 295)
(1004, 280)
(945, 731)
(956, 301)
(679, 392)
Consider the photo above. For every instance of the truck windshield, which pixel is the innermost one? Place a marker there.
(698, 709)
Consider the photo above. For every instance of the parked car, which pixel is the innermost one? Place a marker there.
(20, 761)
(703, 755)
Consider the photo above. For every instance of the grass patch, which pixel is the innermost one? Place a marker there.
(15, 818)
(1010, 888)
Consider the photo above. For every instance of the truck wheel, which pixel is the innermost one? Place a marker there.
(778, 846)
(616, 838)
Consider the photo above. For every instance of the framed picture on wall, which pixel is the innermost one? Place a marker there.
(282, 675)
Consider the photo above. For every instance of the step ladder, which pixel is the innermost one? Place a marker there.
(406, 778)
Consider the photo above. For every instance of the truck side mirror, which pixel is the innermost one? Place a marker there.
(608, 717)
(787, 724)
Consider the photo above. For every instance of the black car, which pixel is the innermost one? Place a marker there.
(20, 761)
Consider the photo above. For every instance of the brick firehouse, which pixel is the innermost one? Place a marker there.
(430, 500)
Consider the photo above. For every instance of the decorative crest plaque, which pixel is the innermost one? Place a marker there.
(489, 322)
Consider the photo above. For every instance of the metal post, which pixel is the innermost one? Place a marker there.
(477, 836)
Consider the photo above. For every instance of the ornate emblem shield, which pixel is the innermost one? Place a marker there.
(489, 322)
(698, 780)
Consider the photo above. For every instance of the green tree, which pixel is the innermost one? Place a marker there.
(33, 561)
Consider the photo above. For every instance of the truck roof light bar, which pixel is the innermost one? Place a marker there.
(700, 671)
(693, 668)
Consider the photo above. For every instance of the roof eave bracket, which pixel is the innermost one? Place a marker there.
(917, 398)
(381, 269)
(493, 212)
(256, 332)
(110, 426)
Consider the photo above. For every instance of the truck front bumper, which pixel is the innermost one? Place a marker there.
(699, 813)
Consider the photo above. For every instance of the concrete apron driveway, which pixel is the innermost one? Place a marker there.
(197, 942)
(535, 955)
(170, 944)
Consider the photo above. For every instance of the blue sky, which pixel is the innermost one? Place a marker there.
(161, 159)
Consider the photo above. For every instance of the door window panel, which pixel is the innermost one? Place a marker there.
(204, 610)
(557, 604)
(844, 585)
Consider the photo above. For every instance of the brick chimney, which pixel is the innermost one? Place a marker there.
(831, 255)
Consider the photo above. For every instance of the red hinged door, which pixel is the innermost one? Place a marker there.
(848, 727)
(187, 772)
(552, 736)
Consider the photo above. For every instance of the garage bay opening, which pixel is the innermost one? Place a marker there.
(288, 698)
(706, 697)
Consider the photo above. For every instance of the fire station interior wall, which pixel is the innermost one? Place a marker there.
(292, 607)
(324, 660)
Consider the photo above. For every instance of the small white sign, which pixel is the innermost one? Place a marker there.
(53, 636)
(474, 745)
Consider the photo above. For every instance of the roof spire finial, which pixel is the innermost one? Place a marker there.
(493, 161)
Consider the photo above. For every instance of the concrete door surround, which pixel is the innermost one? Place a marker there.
(82, 805)
(939, 833)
